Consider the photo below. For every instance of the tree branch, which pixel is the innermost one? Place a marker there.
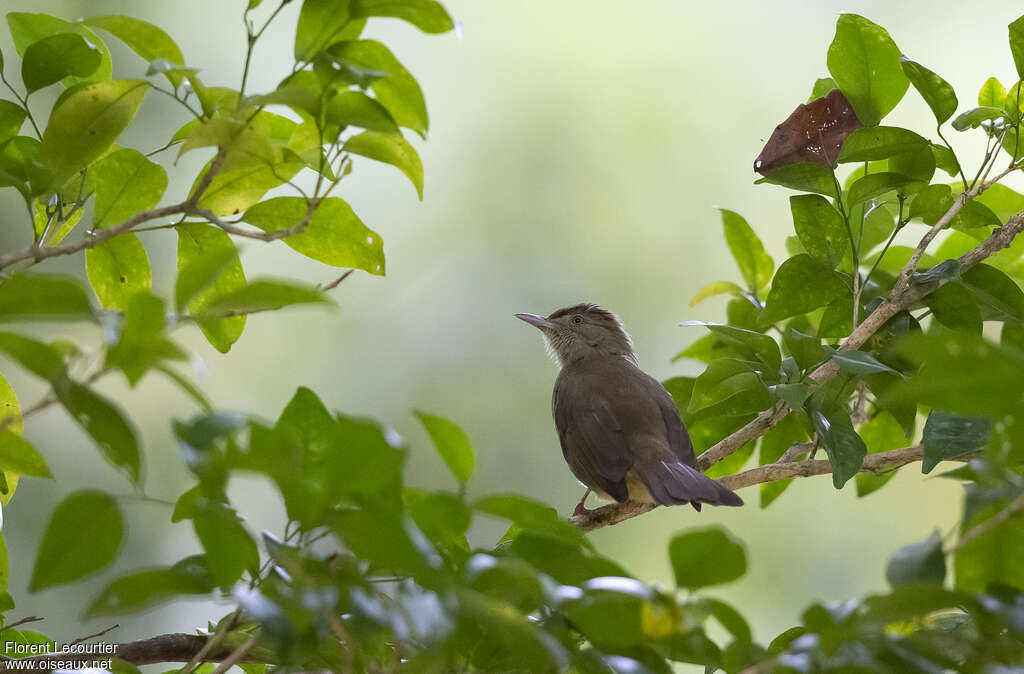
(37, 253)
(904, 294)
(163, 648)
(772, 472)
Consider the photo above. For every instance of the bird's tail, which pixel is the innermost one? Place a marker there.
(674, 482)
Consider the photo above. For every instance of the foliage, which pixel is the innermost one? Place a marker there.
(373, 575)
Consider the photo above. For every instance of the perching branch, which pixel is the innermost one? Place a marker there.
(772, 472)
(904, 294)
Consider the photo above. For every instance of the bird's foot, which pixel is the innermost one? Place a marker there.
(582, 509)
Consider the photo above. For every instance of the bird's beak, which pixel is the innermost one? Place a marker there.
(536, 321)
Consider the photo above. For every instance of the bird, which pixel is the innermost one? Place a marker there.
(620, 431)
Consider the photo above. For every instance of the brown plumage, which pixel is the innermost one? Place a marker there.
(621, 433)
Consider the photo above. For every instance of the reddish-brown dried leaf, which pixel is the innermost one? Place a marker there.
(812, 134)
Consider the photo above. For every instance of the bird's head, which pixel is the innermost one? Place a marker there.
(582, 331)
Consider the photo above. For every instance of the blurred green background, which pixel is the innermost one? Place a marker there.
(577, 153)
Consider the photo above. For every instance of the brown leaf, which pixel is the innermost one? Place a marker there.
(812, 134)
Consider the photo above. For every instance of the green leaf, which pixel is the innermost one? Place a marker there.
(443, 518)
(999, 297)
(452, 444)
(12, 116)
(19, 457)
(334, 235)
(995, 384)
(865, 63)
(196, 242)
(389, 148)
(974, 117)
(880, 434)
(800, 285)
(28, 28)
(148, 41)
(945, 160)
(1016, 29)
(727, 387)
(837, 319)
(990, 559)
(531, 516)
(879, 142)
(40, 359)
(1012, 335)
(264, 295)
(506, 578)
(126, 183)
(844, 447)
(83, 536)
(947, 436)
(229, 548)
(354, 108)
(918, 164)
(142, 344)
(108, 428)
(141, 590)
(821, 87)
(876, 184)
(803, 176)
(761, 346)
(236, 188)
(716, 288)
(87, 122)
(992, 93)
(707, 556)
(955, 307)
(755, 265)
(924, 561)
(200, 272)
(1004, 201)
(53, 58)
(859, 363)
(117, 269)
(935, 91)
(319, 25)
(931, 203)
(427, 15)
(38, 297)
(948, 270)
(398, 92)
(820, 228)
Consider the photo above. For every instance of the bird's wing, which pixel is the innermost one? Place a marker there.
(678, 439)
(592, 439)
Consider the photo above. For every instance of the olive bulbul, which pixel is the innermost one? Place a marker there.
(621, 433)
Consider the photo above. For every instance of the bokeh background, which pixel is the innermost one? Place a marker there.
(577, 153)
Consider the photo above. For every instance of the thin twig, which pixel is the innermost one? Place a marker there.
(93, 636)
(1015, 506)
(336, 282)
(23, 621)
(236, 655)
(203, 654)
(37, 254)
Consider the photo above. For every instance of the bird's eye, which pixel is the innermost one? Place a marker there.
(577, 319)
